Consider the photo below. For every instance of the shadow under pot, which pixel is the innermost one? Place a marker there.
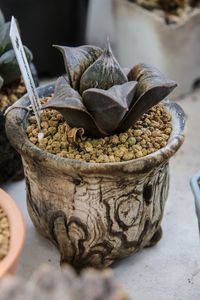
(95, 213)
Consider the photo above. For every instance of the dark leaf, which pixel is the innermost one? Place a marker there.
(5, 42)
(68, 102)
(152, 88)
(1, 82)
(2, 19)
(9, 68)
(62, 87)
(77, 60)
(104, 73)
(109, 107)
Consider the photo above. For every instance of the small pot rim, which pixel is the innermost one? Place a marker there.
(150, 14)
(17, 233)
(16, 121)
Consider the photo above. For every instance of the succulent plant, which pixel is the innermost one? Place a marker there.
(47, 283)
(99, 96)
(9, 69)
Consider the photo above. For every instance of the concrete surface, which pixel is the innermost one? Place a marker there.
(171, 269)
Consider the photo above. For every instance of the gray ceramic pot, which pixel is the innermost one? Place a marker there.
(95, 213)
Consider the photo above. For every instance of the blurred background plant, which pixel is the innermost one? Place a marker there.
(167, 5)
(48, 283)
(11, 89)
(48, 22)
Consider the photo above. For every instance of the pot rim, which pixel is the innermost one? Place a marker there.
(17, 233)
(17, 119)
(150, 14)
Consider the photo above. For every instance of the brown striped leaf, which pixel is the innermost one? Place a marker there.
(104, 73)
(68, 102)
(77, 60)
(151, 89)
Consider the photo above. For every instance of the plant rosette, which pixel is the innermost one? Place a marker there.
(163, 45)
(15, 229)
(96, 213)
(11, 89)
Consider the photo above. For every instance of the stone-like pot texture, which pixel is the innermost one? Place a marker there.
(173, 49)
(95, 213)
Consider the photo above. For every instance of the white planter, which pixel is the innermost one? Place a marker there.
(143, 36)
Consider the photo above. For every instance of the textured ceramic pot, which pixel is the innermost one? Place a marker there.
(173, 49)
(17, 232)
(95, 213)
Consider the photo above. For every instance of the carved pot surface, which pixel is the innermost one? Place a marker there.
(95, 213)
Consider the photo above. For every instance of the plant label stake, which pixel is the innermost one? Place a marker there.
(25, 69)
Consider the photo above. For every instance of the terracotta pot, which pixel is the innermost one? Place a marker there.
(17, 232)
(95, 213)
(143, 36)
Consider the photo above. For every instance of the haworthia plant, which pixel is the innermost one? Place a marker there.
(98, 96)
(9, 69)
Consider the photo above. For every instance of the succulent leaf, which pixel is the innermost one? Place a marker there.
(5, 42)
(62, 87)
(104, 73)
(68, 102)
(2, 19)
(77, 60)
(152, 88)
(9, 68)
(108, 107)
(1, 82)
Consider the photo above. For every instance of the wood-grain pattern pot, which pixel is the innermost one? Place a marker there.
(95, 213)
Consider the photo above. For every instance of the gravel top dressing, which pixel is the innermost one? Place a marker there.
(4, 234)
(11, 93)
(150, 133)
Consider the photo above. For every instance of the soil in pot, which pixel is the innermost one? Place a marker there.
(4, 234)
(10, 161)
(171, 11)
(150, 133)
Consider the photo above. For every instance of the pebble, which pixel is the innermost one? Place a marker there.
(11, 93)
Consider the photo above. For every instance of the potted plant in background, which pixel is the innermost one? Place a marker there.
(163, 33)
(98, 180)
(11, 89)
(12, 231)
(47, 283)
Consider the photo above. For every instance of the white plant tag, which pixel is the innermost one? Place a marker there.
(25, 69)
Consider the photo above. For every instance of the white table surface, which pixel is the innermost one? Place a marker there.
(171, 269)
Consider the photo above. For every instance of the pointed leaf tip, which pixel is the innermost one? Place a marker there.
(77, 60)
(152, 88)
(104, 73)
